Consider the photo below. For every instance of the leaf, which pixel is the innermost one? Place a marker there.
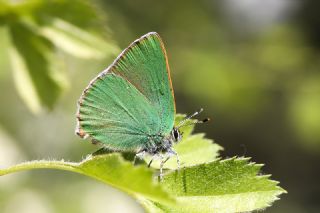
(151, 206)
(231, 185)
(37, 80)
(4, 57)
(35, 31)
(9, 8)
(76, 41)
(111, 169)
(86, 15)
(192, 149)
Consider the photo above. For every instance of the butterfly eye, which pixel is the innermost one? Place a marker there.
(176, 135)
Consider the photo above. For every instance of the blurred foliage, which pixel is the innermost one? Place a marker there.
(304, 111)
(240, 73)
(231, 185)
(36, 29)
(252, 65)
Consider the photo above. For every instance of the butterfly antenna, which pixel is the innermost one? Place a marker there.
(183, 122)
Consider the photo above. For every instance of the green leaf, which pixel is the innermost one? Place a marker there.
(37, 80)
(231, 185)
(111, 169)
(8, 8)
(36, 28)
(76, 41)
(88, 15)
(4, 56)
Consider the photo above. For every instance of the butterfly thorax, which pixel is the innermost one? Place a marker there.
(162, 143)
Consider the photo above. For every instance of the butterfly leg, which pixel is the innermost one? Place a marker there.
(149, 164)
(161, 168)
(162, 164)
(172, 152)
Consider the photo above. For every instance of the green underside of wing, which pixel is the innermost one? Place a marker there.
(132, 101)
(144, 65)
(115, 113)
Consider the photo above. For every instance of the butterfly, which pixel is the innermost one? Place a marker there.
(130, 105)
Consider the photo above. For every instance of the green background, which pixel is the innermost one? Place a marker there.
(253, 66)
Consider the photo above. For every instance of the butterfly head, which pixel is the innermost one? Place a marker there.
(177, 134)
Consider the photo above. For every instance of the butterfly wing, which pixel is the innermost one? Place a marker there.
(131, 100)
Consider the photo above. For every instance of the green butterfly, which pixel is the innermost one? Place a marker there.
(130, 105)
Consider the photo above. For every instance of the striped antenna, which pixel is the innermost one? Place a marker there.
(183, 122)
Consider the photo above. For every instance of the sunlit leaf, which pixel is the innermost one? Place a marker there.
(23, 81)
(19, 8)
(36, 79)
(4, 57)
(86, 14)
(232, 185)
(76, 41)
(38, 30)
(110, 169)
